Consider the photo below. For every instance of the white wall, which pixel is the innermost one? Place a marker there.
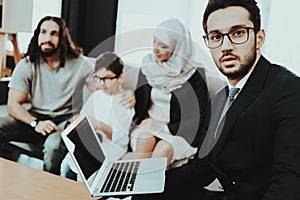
(41, 8)
(283, 41)
(136, 20)
(279, 18)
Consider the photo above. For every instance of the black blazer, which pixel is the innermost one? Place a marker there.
(257, 156)
(188, 106)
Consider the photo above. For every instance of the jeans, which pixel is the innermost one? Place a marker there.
(54, 149)
(69, 170)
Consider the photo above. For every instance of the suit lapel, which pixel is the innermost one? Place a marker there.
(247, 95)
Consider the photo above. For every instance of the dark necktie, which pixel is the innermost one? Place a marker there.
(231, 96)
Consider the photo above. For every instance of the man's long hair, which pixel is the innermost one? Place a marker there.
(66, 46)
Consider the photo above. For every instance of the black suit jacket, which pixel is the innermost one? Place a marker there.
(257, 156)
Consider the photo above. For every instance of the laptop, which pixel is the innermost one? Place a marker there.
(103, 176)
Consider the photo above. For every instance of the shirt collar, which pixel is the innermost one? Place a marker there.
(241, 83)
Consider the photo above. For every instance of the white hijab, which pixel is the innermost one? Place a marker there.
(172, 74)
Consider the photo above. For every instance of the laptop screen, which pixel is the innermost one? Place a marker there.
(87, 152)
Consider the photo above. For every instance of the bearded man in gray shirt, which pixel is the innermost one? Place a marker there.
(50, 73)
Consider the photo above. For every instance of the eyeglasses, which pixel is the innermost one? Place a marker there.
(104, 79)
(238, 35)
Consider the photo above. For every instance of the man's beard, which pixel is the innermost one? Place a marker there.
(244, 68)
(50, 52)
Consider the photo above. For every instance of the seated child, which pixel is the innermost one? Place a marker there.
(105, 105)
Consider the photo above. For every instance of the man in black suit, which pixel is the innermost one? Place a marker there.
(251, 147)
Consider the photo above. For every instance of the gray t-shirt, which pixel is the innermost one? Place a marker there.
(51, 90)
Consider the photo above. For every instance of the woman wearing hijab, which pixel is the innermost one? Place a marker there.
(171, 97)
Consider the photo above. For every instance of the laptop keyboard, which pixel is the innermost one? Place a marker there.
(121, 177)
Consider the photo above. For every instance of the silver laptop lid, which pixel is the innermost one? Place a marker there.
(88, 153)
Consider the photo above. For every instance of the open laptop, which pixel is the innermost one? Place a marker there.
(105, 177)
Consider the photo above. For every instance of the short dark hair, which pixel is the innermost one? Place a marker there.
(110, 61)
(66, 46)
(249, 5)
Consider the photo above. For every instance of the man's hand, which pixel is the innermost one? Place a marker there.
(128, 98)
(46, 127)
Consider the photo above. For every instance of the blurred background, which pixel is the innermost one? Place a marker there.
(128, 25)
